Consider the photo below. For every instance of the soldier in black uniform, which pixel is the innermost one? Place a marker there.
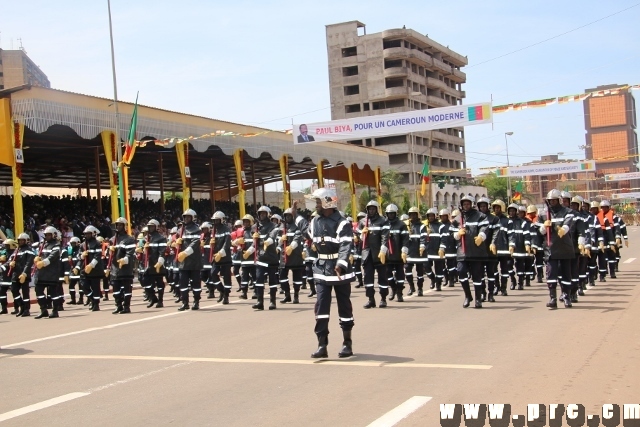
(189, 261)
(450, 251)
(207, 261)
(10, 247)
(153, 264)
(435, 250)
(505, 262)
(310, 256)
(398, 250)
(236, 256)
(291, 247)
(242, 244)
(20, 265)
(90, 266)
(73, 257)
(600, 235)
(374, 232)
(220, 255)
(470, 235)
(121, 272)
(357, 251)
(519, 244)
(47, 273)
(417, 246)
(559, 252)
(536, 241)
(491, 266)
(267, 260)
(579, 266)
(332, 234)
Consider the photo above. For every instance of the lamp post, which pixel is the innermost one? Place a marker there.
(506, 143)
(414, 180)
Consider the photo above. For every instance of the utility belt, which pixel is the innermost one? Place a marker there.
(328, 256)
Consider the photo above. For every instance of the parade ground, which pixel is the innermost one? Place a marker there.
(226, 365)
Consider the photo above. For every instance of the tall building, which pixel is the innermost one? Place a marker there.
(17, 69)
(394, 71)
(611, 139)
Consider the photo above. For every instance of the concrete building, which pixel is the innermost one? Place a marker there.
(17, 69)
(394, 71)
(537, 186)
(611, 139)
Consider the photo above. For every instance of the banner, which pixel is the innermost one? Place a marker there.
(547, 169)
(622, 176)
(635, 195)
(393, 124)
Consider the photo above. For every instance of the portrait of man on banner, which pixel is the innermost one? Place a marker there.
(304, 134)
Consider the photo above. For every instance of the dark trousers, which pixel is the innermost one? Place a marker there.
(539, 263)
(611, 261)
(92, 289)
(153, 283)
(559, 270)
(491, 268)
(435, 269)
(21, 294)
(603, 262)
(105, 285)
(323, 308)
(223, 270)
(296, 273)
(308, 272)
(237, 273)
(190, 277)
(357, 268)
(369, 271)
(451, 270)
(506, 268)
(471, 271)
(582, 269)
(72, 288)
(521, 268)
(122, 289)
(50, 288)
(269, 275)
(408, 273)
(528, 266)
(397, 283)
(248, 275)
(575, 281)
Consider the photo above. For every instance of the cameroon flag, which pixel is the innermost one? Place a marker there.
(425, 177)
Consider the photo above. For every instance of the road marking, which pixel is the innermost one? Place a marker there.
(629, 261)
(344, 362)
(41, 405)
(75, 395)
(400, 412)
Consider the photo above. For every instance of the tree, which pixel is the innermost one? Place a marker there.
(496, 187)
(364, 199)
(390, 188)
(406, 202)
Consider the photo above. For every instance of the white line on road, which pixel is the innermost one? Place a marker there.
(629, 261)
(400, 412)
(41, 405)
(75, 395)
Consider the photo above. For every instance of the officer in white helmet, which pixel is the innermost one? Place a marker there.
(417, 246)
(242, 243)
(236, 256)
(20, 267)
(189, 260)
(207, 261)
(332, 236)
(357, 250)
(398, 251)
(450, 251)
(220, 256)
(265, 253)
(121, 273)
(73, 257)
(374, 233)
(90, 267)
(291, 246)
(434, 250)
(9, 249)
(154, 264)
(47, 274)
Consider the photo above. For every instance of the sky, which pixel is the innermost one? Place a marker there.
(265, 63)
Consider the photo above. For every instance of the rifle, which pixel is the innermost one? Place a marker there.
(548, 218)
(146, 251)
(213, 234)
(14, 255)
(285, 242)
(33, 267)
(464, 247)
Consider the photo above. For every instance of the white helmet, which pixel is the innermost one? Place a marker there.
(174, 230)
(50, 230)
(100, 239)
(11, 243)
(391, 208)
(577, 199)
(361, 215)
(153, 222)
(414, 209)
(484, 200)
(327, 196)
(145, 229)
(522, 208)
(91, 229)
(605, 203)
(433, 211)
(23, 236)
(444, 212)
(238, 223)
(512, 206)
(264, 209)
(121, 220)
(189, 212)
(565, 195)
(554, 194)
(218, 215)
(404, 217)
(467, 198)
(288, 211)
(374, 203)
(74, 240)
(205, 225)
(276, 216)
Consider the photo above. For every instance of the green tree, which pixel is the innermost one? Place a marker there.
(390, 187)
(363, 200)
(496, 187)
(406, 202)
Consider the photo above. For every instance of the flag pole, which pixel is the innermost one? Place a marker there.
(430, 198)
(115, 99)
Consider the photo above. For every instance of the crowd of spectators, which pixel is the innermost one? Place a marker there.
(71, 215)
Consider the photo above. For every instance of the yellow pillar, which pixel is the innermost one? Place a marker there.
(378, 174)
(320, 177)
(284, 171)
(11, 138)
(108, 143)
(239, 164)
(181, 148)
(352, 187)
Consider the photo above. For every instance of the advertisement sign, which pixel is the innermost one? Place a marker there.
(393, 124)
(547, 169)
(635, 195)
(622, 176)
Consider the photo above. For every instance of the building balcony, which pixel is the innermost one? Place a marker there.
(396, 92)
(441, 136)
(437, 101)
(395, 53)
(396, 72)
(442, 66)
(462, 77)
(439, 84)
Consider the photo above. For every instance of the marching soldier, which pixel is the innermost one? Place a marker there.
(397, 254)
(121, 272)
(242, 245)
(189, 260)
(332, 235)
(90, 266)
(579, 265)
(220, 256)
(310, 256)
(529, 272)
(357, 250)
(10, 246)
(491, 267)
(559, 252)
(291, 245)
(105, 259)
(601, 238)
(20, 266)
(47, 274)
(416, 246)
(73, 257)
(153, 264)
(606, 216)
(450, 251)
(505, 261)
(205, 252)
(470, 235)
(435, 250)
(236, 256)
(266, 258)
(536, 240)
(519, 244)
(171, 262)
(374, 232)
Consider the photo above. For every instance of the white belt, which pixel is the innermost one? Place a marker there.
(328, 256)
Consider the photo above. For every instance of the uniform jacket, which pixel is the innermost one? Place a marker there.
(376, 239)
(492, 232)
(5, 279)
(247, 234)
(93, 257)
(475, 223)
(561, 248)
(155, 253)
(222, 243)
(417, 240)
(332, 236)
(398, 241)
(191, 245)
(534, 233)
(125, 249)
(450, 250)
(596, 233)
(206, 250)
(434, 239)
(50, 255)
(294, 240)
(502, 235)
(23, 257)
(519, 236)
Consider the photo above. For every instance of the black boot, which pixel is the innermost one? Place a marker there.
(393, 292)
(296, 294)
(272, 299)
(420, 293)
(612, 271)
(553, 302)
(106, 296)
(210, 292)
(438, 285)
(412, 289)
(527, 281)
(346, 351)
(81, 300)
(399, 295)
(520, 283)
(478, 292)
(16, 308)
(160, 303)
(566, 291)
(467, 294)
(225, 300)
(452, 281)
(433, 284)
(221, 292)
(383, 302)
(25, 311)
(54, 313)
(490, 297)
(581, 287)
(43, 312)
(321, 352)
(126, 307)
(513, 283)
(153, 300)
(196, 304)
(244, 294)
(503, 286)
(73, 300)
(574, 295)
(539, 274)
(312, 287)
(287, 295)
(260, 304)
(4, 307)
(371, 303)
(96, 305)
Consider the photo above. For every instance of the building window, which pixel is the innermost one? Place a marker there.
(352, 90)
(365, 106)
(395, 103)
(392, 63)
(388, 44)
(393, 83)
(353, 108)
(350, 71)
(398, 159)
(349, 51)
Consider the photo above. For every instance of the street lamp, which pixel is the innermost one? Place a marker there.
(414, 180)
(506, 143)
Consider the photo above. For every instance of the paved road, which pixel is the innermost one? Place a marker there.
(230, 366)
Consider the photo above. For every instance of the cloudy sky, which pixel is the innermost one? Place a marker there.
(264, 63)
